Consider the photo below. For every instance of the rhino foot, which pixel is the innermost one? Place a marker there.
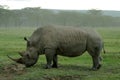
(48, 67)
(54, 66)
(96, 68)
(99, 66)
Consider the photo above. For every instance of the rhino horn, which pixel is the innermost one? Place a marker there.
(20, 60)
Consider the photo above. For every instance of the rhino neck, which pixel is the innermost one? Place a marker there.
(41, 51)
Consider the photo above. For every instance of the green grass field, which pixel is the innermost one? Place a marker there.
(11, 41)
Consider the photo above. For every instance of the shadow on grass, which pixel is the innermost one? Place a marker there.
(66, 67)
(74, 67)
(63, 72)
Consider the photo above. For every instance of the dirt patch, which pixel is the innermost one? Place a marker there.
(14, 68)
(75, 77)
(9, 71)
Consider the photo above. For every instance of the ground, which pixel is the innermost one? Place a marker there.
(78, 68)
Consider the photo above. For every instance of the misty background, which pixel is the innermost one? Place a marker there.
(36, 17)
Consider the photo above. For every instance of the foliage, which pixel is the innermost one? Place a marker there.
(95, 12)
(34, 17)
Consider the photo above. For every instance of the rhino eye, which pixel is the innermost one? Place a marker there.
(28, 56)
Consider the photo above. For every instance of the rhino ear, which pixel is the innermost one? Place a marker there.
(28, 41)
(25, 39)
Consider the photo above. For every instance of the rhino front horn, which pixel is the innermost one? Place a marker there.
(20, 60)
(12, 58)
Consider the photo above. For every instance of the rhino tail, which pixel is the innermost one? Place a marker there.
(104, 49)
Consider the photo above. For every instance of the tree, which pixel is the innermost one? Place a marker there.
(95, 12)
(4, 7)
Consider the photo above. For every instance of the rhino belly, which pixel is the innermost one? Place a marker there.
(72, 51)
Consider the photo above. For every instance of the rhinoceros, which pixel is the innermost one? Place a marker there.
(65, 41)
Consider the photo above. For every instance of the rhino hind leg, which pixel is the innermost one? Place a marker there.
(95, 53)
(96, 63)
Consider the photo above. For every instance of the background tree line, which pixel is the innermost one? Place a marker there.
(34, 17)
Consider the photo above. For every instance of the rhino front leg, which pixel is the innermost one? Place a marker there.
(55, 61)
(49, 53)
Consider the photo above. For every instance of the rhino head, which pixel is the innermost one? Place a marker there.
(28, 57)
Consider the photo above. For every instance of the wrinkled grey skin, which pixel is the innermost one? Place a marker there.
(65, 41)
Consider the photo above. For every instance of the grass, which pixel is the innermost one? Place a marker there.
(11, 41)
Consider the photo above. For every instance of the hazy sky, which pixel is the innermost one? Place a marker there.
(64, 4)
